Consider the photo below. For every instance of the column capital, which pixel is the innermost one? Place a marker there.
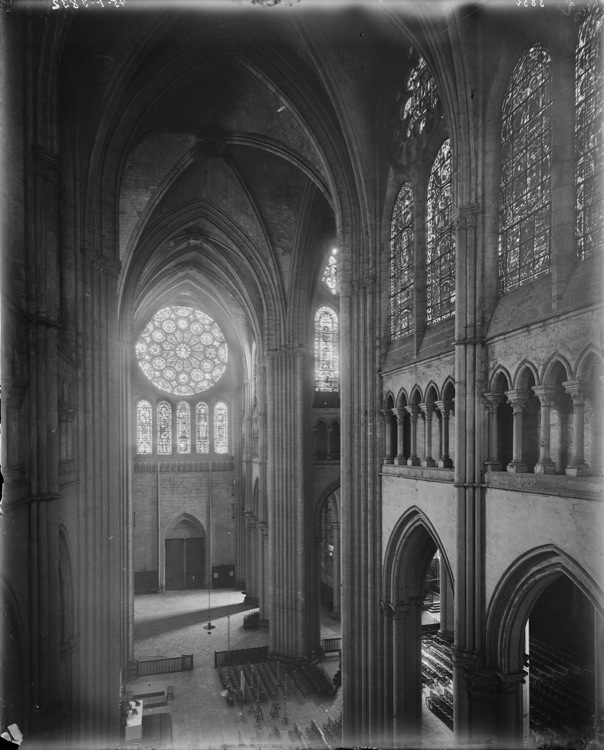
(546, 393)
(482, 683)
(445, 407)
(413, 410)
(399, 413)
(465, 216)
(519, 396)
(578, 390)
(511, 682)
(385, 414)
(428, 408)
(492, 400)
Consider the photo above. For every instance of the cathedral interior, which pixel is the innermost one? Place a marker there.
(304, 299)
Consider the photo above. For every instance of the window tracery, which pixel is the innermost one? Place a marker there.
(330, 272)
(183, 427)
(402, 264)
(589, 140)
(182, 351)
(327, 376)
(440, 266)
(221, 428)
(422, 108)
(524, 211)
(164, 427)
(144, 426)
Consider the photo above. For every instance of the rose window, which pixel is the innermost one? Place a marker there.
(182, 351)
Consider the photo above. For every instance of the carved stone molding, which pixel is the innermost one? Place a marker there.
(483, 684)
(511, 682)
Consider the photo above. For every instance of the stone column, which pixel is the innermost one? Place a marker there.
(511, 719)
(293, 631)
(413, 459)
(446, 602)
(428, 410)
(264, 570)
(386, 610)
(492, 401)
(251, 585)
(388, 454)
(336, 570)
(445, 408)
(577, 466)
(315, 452)
(546, 395)
(401, 459)
(518, 399)
(407, 672)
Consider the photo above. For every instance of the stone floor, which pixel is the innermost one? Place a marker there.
(173, 623)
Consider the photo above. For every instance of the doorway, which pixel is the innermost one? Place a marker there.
(185, 556)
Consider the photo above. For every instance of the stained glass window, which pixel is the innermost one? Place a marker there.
(422, 108)
(402, 264)
(183, 427)
(144, 427)
(330, 272)
(524, 199)
(327, 374)
(440, 251)
(164, 427)
(182, 351)
(589, 137)
(221, 428)
(202, 428)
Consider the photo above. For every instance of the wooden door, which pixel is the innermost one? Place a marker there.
(175, 564)
(194, 562)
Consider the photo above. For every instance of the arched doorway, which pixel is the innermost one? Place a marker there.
(545, 637)
(417, 659)
(185, 552)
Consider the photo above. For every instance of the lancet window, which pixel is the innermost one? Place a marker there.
(589, 139)
(327, 374)
(221, 428)
(440, 266)
(524, 210)
(164, 427)
(144, 427)
(202, 428)
(183, 427)
(402, 264)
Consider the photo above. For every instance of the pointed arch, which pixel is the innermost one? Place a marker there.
(554, 364)
(523, 374)
(516, 593)
(410, 548)
(501, 380)
(586, 361)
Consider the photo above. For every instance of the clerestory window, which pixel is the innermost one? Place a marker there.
(440, 240)
(402, 261)
(589, 138)
(525, 188)
(327, 373)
